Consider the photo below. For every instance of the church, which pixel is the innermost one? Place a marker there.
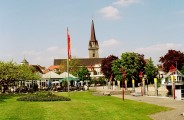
(93, 63)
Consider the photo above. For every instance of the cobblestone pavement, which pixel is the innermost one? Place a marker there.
(174, 114)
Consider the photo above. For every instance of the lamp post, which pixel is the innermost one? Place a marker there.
(133, 85)
(145, 77)
(140, 75)
(173, 86)
(156, 86)
(173, 69)
(123, 81)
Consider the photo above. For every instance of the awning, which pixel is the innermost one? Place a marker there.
(69, 78)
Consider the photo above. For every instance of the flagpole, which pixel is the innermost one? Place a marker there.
(68, 49)
(68, 75)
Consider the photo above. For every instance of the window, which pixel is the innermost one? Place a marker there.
(93, 54)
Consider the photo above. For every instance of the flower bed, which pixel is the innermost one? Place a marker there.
(43, 96)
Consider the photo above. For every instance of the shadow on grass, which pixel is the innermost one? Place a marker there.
(5, 96)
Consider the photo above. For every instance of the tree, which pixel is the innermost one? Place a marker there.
(84, 74)
(26, 72)
(116, 66)
(150, 71)
(106, 66)
(142, 62)
(132, 63)
(73, 66)
(63, 66)
(182, 70)
(8, 74)
(11, 72)
(173, 57)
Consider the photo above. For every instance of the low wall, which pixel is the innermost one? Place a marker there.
(162, 91)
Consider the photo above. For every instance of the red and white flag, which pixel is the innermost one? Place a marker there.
(69, 45)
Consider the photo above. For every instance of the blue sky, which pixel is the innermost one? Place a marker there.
(36, 29)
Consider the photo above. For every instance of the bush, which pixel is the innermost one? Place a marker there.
(43, 96)
(100, 81)
(22, 89)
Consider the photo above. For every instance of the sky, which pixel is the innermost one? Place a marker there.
(36, 29)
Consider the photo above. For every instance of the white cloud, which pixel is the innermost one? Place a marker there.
(109, 47)
(159, 47)
(110, 43)
(53, 48)
(158, 50)
(110, 12)
(126, 2)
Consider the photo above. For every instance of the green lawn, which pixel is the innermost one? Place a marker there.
(83, 106)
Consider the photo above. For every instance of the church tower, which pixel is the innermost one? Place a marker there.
(24, 62)
(93, 44)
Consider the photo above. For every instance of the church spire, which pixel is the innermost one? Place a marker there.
(93, 44)
(93, 36)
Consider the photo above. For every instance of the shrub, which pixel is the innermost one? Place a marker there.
(43, 96)
(22, 89)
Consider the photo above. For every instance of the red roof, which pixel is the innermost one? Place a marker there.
(51, 68)
(172, 68)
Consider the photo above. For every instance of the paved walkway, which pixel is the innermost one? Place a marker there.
(177, 105)
(174, 114)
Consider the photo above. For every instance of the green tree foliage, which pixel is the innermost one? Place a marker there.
(26, 72)
(182, 70)
(101, 80)
(84, 74)
(11, 72)
(73, 66)
(63, 66)
(106, 66)
(8, 73)
(150, 71)
(173, 57)
(116, 65)
(131, 63)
